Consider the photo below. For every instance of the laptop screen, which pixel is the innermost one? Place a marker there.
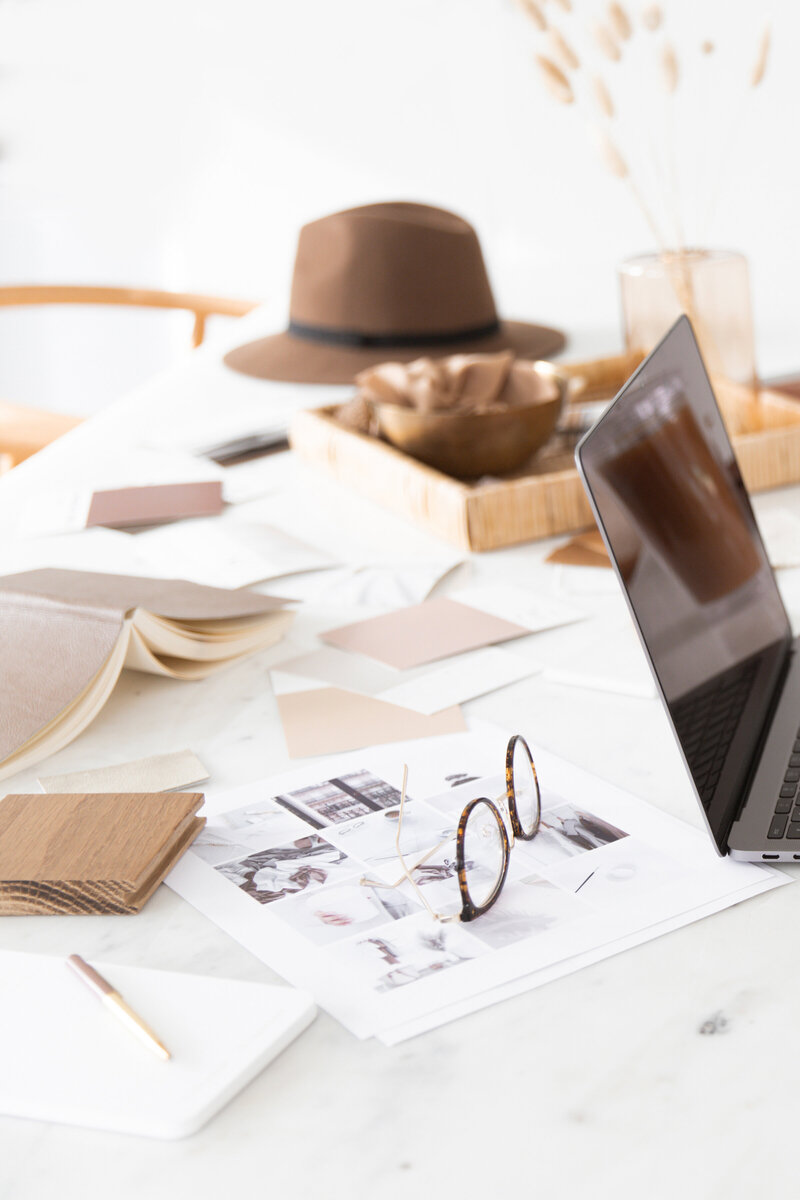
(670, 500)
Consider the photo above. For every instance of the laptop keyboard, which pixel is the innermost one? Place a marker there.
(706, 721)
(786, 821)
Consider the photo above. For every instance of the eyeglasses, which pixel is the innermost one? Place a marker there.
(483, 840)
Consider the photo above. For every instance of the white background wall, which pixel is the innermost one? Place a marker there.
(181, 143)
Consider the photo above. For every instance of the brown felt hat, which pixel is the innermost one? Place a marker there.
(386, 281)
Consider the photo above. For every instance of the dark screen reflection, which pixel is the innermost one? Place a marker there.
(669, 492)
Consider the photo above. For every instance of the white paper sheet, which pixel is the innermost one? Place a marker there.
(105, 550)
(259, 477)
(208, 550)
(579, 582)
(459, 679)
(226, 553)
(377, 586)
(600, 870)
(62, 510)
(425, 689)
(64, 507)
(611, 662)
(549, 974)
(780, 530)
(339, 668)
(520, 607)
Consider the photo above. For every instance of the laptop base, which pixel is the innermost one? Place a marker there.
(762, 834)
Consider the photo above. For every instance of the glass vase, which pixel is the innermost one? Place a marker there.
(711, 286)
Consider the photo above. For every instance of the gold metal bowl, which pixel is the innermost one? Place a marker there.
(495, 442)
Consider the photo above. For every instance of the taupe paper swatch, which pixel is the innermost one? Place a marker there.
(327, 720)
(131, 506)
(422, 633)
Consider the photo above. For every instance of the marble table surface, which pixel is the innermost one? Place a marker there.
(667, 1070)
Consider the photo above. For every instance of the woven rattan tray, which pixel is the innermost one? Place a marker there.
(546, 497)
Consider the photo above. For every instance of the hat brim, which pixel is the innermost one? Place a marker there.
(286, 358)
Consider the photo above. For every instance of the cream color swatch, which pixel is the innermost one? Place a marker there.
(159, 773)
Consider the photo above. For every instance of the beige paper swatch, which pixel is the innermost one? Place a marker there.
(159, 773)
(422, 633)
(327, 720)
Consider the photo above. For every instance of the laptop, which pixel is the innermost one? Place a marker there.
(670, 502)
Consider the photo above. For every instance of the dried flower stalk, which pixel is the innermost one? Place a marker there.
(563, 52)
(652, 17)
(608, 35)
(610, 156)
(606, 42)
(619, 21)
(670, 71)
(760, 66)
(616, 165)
(555, 80)
(533, 11)
(602, 97)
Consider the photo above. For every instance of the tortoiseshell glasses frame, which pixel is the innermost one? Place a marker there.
(505, 804)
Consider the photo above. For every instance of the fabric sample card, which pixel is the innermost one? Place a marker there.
(327, 720)
(422, 633)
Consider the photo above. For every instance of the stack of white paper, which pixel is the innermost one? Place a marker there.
(297, 868)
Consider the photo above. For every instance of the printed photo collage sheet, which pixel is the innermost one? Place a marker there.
(296, 867)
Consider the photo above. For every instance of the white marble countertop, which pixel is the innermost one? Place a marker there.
(667, 1070)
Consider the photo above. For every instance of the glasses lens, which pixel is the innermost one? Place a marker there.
(484, 853)
(526, 788)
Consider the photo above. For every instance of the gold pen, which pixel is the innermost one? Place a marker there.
(117, 1006)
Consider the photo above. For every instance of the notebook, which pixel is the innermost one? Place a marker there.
(66, 1059)
(65, 636)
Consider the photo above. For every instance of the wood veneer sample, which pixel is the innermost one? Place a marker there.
(91, 853)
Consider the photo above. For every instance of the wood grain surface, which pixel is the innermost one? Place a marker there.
(90, 853)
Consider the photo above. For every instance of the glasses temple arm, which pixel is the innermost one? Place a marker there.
(406, 871)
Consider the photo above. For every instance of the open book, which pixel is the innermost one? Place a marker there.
(65, 636)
